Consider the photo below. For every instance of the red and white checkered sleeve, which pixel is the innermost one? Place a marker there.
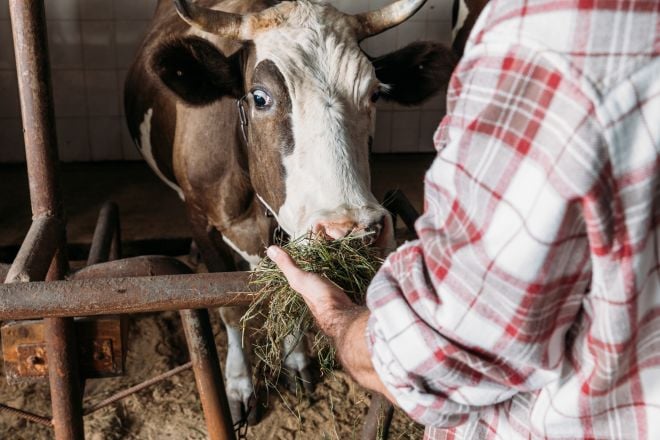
(479, 307)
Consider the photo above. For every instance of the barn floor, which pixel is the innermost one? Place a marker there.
(149, 211)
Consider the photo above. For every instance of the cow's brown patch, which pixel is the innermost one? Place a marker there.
(270, 134)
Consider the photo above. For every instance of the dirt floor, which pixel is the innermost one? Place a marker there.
(171, 409)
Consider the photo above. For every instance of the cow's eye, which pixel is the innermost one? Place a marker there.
(375, 96)
(261, 99)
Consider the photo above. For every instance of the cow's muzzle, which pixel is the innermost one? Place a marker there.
(370, 233)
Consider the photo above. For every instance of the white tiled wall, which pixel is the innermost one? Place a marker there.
(92, 43)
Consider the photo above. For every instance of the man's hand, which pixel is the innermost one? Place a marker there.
(327, 302)
(337, 316)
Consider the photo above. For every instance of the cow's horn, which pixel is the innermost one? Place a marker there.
(380, 20)
(216, 22)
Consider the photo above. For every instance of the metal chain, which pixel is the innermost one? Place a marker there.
(243, 117)
(280, 237)
(241, 427)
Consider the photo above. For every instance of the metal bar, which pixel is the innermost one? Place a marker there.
(37, 251)
(65, 390)
(103, 241)
(4, 270)
(27, 415)
(137, 388)
(151, 265)
(397, 203)
(33, 70)
(123, 295)
(208, 375)
(379, 418)
(218, 258)
(104, 234)
(116, 246)
(28, 21)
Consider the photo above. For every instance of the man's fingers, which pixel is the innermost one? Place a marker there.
(298, 278)
(284, 262)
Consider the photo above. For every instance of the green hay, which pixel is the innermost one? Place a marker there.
(349, 263)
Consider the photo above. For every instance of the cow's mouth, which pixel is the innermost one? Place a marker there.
(379, 235)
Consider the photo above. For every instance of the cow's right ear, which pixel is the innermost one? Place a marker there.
(196, 71)
(416, 72)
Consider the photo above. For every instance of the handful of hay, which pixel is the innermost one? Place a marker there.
(348, 262)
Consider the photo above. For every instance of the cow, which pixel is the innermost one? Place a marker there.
(260, 115)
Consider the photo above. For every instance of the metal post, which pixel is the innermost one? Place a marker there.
(398, 204)
(33, 70)
(379, 418)
(201, 344)
(106, 236)
(208, 375)
(36, 254)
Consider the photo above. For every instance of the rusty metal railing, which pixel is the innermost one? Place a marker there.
(48, 260)
(105, 296)
(42, 255)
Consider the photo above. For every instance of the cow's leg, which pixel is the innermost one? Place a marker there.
(238, 381)
(240, 390)
(297, 363)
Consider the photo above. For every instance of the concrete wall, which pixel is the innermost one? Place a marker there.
(92, 43)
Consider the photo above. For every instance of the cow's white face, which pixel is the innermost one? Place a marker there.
(332, 88)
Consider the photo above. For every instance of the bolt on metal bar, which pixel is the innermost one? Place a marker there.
(28, 20)
(27, 415)
(136, 388)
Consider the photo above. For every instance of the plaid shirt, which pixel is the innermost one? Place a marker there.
(530, 305)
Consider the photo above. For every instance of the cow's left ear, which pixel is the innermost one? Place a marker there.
(416, 72)
(196, 71)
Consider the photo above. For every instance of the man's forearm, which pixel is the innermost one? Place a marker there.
(352, 350)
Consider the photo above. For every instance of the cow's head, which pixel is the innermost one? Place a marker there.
(308, 93)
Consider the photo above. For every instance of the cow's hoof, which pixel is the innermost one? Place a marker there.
(242, 412)
(242, 401)
(301, 378)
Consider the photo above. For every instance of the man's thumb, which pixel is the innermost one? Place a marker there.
(285, 263)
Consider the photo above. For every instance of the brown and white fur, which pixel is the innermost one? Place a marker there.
(304, 162)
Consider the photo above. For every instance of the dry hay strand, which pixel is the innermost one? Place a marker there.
(350, 263)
